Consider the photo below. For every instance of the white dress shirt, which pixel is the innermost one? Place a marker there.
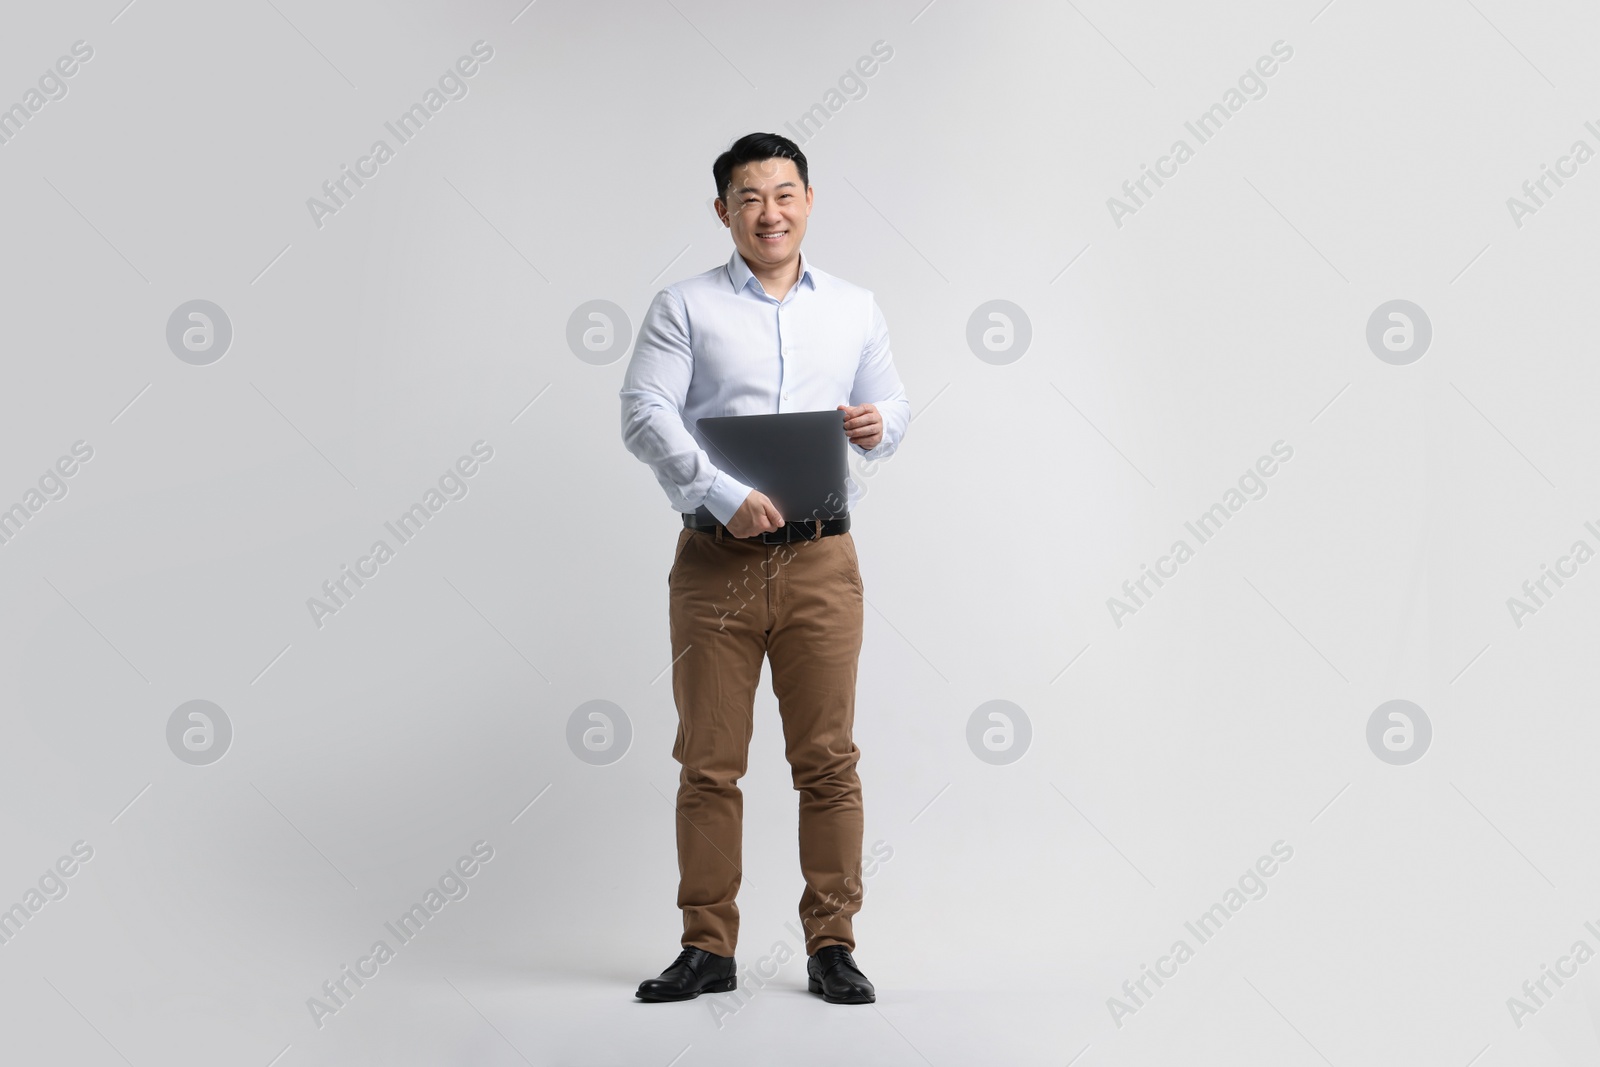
(717, 344)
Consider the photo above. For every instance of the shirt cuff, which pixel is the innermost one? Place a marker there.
(725, 497)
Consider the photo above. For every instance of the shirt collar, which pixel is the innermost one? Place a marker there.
(740, 276)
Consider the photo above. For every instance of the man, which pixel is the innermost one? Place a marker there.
(766, 332)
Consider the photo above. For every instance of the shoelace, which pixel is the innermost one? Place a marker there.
(834, 955)
(684, 957)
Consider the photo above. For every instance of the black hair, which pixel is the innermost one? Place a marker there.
(753, 148)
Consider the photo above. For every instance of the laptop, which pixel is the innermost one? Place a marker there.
(797, 458)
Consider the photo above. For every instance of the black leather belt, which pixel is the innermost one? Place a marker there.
(795, 530)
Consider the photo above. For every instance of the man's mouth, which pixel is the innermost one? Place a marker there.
(774, 236)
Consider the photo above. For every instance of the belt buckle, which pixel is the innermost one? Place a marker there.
(766, 535)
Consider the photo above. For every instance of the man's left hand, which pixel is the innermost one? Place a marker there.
(863, 424)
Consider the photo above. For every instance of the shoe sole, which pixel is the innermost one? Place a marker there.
(721, 985)
(816, 987)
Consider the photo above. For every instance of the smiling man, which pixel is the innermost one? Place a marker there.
(765, 332)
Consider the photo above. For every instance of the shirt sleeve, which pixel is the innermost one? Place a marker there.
(877, 383)
(653, 393)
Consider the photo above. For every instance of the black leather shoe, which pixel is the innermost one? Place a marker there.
(695, 971)
(834, 974)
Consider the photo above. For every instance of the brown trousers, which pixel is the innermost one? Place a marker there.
(800, 605)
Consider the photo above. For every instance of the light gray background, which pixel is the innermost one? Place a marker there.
(1167, 354)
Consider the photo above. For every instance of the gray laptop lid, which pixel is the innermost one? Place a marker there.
(797, 458)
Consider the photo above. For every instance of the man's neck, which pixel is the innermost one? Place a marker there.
(776, 281)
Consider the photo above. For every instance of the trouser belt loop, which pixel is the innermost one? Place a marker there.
(819, 527)
(719, 533)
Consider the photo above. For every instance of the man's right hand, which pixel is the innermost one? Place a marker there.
(756, 515)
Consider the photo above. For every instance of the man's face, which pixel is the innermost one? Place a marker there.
(766, 209)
